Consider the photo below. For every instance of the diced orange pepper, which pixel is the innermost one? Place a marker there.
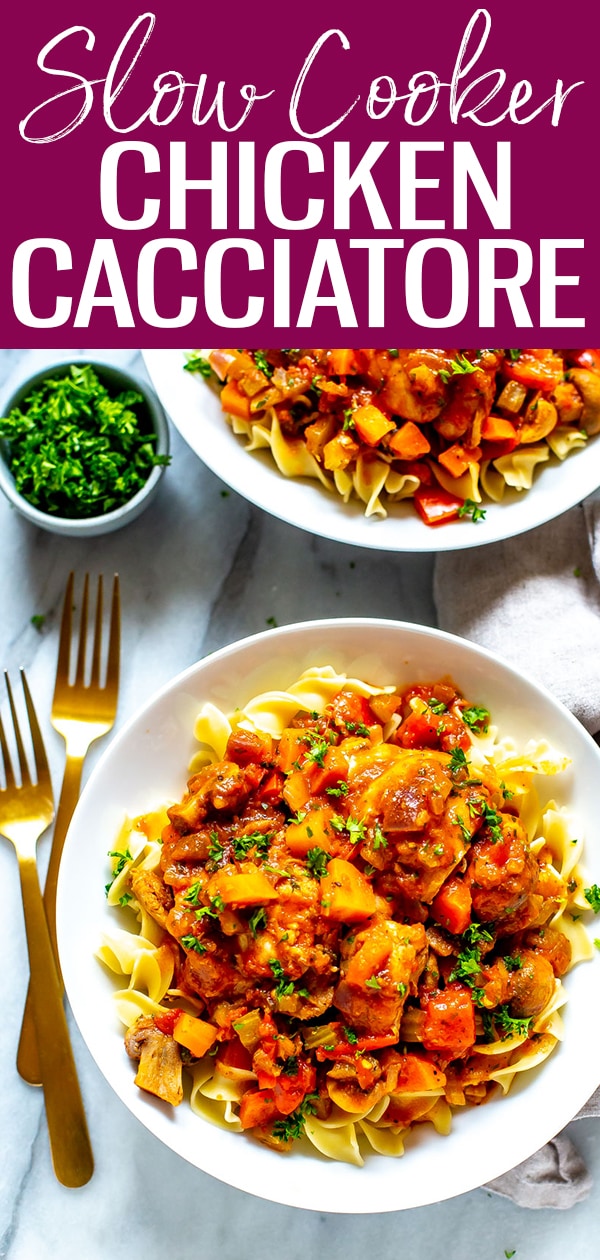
(409, 442)
(246, 888)
(371, 424)
(435, 506)
(195, 1034)
(346, 896)
(296, 790)
(313, 830)
(497, 429)
(334, 768)
(451, 907)
(293, 746)
(457, 458)
(234, 402)
(418, 1074)
(343, 362)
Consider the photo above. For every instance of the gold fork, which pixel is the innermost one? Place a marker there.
(81, 713)
(25, 812)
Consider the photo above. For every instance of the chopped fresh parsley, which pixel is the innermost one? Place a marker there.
(348, 420)
(284, 986)
(259, 840)
(475, 932)
(513, 356)
(476, 717)
(379, 840)
(125, 899)
(437, 706)
(271, 623)
(258, 921)
(292, 1126)
(357, 728)
(262, 363)
(460, 366)
(501, 1018)
(355, 829)
(77, 451)
(472, 509)
(290, 1066)
(513, 962)
(192, 895)
(468, 965)
(192, 942)
(373, 983)
(592, 896)
(393, 354)
(316, 860)
(458, 762)
(216, 850)
(493, 821)
(121, 861)
(350, 1035)
(38, 621)
(342, 789)
(318, 747)
(197, 363)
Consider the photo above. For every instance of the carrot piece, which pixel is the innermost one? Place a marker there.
(418, 1074)
(451, 907)
(346, 896)
(457, 458)
(271, 788)
(195, 1034)
(497, 429)
(436, 506)
(311, 831)
(246, 888)
(409, 442)
(371, 424)
(257, 1108)
(234, 402)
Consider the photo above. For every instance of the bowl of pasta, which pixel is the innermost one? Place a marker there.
(336, 947)
(401, 450)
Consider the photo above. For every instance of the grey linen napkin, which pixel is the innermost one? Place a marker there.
(535, 599)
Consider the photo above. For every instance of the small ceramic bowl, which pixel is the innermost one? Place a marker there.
(153, 420)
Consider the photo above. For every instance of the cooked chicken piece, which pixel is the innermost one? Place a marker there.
(152, 894)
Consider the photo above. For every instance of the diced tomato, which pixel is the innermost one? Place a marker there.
(350, 710)
(166, 1023)
(431, 730)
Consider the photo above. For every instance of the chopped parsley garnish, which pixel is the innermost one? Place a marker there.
(373, 983)
(472, 509)
(592, 896)
(513, 356)
(476, 717)
(292, 1127)
(125, 899)
(262, 363)
(437, 706)
(350, 1035)
(475, 932)
(460, 366)
(510, 1026)
(259, 840)
(458, 762)
(216, 850)
(258, 921)
(468, 965)
(284, 986)
(192, 942)
(355, 829)
(357, 728)
(319, 746)
(197, 363)
(342, 789)
(192, 895)
(348, 420)
(513, 962)
(290, 1065)
(393, 354)
(77, 451)
(379, 840)
(316, 860)
(37, 621)
(493, 821)
(121, 861)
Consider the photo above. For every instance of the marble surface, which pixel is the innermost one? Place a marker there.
(201, 569)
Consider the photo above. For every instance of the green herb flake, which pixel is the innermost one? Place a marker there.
(197, 363)
(192, 942)
(75, 450)
(472, 509)
(316, 861)
(373, 983)
(262, 363)
(38, 621)
(258, 921)
(341, 789)
(292, 1127)
(592, 896)
(476, 717)
(350, 1035)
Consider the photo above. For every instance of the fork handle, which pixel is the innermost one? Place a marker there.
(28, 1061)
(69, 1139)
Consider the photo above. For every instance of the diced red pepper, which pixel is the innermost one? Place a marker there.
(436, 506)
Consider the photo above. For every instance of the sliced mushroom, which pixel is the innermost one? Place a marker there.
(160, 1067)
(540, 419)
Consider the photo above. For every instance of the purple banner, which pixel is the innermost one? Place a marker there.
(412, 174)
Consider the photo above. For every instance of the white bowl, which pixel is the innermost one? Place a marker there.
(152, 417)
(195, 410)
(147, 763)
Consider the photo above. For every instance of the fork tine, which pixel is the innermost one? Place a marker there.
(24, 768)
(64, 645)
(80, 669)
(112, 667)
(95, 674)
(39, 752)
(8, 770)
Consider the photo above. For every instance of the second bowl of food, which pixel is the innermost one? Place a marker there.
(348, 966)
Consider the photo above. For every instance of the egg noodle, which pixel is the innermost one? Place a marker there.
(369, 959)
